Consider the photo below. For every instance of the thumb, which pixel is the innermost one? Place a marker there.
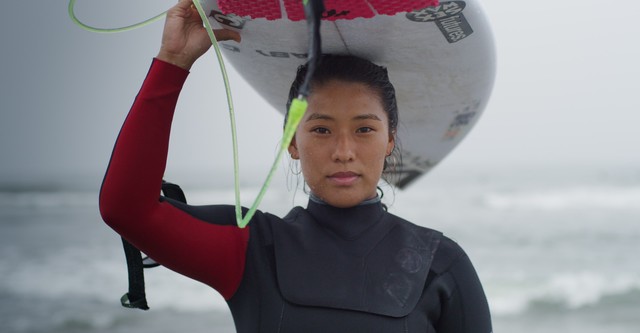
(226, 34)
(183, 6)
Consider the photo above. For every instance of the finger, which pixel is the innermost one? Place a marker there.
(226, 34)
(183, 6)
(181, 9)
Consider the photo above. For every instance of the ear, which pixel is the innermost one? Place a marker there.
(293, 149)
(391, 143)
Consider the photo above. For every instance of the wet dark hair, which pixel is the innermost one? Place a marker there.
(350, 68)
(353, 69)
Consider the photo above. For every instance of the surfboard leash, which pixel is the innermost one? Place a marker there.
(74, 18)
(313, 12)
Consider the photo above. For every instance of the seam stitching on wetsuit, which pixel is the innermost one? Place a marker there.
(447, 268)
(464, 318)
(281, 318)
(457, 290)
(444, 312)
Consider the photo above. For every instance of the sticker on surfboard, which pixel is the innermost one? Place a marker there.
(440, 58)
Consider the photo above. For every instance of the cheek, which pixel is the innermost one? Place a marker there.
(382, 147)
(309, 148)
(309, 157)
(305, 150)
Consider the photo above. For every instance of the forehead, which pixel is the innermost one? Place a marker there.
(341, 98)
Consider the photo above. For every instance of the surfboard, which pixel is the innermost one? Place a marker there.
(440, 58)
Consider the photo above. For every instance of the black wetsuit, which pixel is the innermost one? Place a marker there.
(319, 269)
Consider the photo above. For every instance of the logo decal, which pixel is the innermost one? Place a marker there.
(462, 120)
(279, 54)
(334, 13)
(231, 48)
(410, 167)
(448, 17)
(230, 20)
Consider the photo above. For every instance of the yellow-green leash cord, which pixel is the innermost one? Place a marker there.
(296, 111)
(72, 15)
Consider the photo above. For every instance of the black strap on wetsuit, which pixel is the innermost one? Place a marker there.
(136, 263)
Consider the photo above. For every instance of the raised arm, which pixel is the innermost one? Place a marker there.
(130, 193)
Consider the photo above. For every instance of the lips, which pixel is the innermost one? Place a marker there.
(344, 178)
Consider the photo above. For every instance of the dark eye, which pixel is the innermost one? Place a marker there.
(364, 130)
(321, 130)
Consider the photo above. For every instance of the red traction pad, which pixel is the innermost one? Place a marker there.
(336, 9)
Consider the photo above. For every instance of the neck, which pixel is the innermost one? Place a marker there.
(348, 223)
(318, 200)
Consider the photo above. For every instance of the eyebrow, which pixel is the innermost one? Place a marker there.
(369, 116)
(320, 116)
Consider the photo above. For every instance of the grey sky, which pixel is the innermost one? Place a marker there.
(566, 92)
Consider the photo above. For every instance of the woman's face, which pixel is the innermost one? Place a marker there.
(342, 142)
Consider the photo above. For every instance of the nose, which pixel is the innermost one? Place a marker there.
(344, 150)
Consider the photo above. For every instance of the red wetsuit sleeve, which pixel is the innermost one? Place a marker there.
(129, 199)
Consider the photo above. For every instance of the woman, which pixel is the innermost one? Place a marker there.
(343, 264)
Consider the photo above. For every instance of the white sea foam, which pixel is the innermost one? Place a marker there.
(47, 199)
(60, 199)
(81, 273)
(569, 290)
(603, 197)
(580, 289)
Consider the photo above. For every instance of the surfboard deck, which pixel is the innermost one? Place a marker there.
(441, 60)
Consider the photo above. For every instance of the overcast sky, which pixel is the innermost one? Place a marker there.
(566, 92)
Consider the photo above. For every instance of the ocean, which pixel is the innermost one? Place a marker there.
(556, 249)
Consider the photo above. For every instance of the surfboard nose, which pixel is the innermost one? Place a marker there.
(335, 9)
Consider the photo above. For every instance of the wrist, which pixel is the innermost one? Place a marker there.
(177, 60)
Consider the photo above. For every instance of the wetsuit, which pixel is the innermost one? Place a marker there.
(319, 269)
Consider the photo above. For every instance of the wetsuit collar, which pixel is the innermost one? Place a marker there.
(316, 199)
(348, 223)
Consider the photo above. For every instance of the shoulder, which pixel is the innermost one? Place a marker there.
(448, 252)
(426, 234)
(219, 214)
